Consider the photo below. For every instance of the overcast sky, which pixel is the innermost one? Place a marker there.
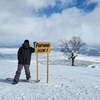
(49, 20)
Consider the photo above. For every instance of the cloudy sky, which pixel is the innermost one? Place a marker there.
(49, 20)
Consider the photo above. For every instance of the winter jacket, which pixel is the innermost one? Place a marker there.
(24, 54)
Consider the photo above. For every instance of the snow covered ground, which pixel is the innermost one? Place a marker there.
(81, 82)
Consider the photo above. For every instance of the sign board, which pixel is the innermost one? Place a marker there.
(42, 47)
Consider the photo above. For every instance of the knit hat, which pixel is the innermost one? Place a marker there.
(26, 41)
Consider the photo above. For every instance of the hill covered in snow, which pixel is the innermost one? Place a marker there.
(80, 82)
(90, 51)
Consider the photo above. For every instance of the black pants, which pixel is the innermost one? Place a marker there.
(18, 72)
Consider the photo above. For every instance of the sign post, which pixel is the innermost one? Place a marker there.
(37, 67)
(47, 66)
(42, 48)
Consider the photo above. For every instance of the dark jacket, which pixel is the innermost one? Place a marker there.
(24, 54)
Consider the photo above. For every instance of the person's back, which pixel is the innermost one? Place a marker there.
(24, 53)
(24, 58)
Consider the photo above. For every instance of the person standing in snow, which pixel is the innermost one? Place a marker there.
(24, 58)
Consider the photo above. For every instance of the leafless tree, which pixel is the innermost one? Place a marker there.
(71, 47)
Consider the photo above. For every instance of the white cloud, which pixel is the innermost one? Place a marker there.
(18, 22)
(66, 1)
(40, 4)
(91, 1)
(15, 7)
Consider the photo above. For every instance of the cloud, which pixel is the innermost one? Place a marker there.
(19, 20)
(40, 4)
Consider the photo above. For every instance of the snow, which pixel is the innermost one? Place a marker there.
(8, 50)
(80, 82)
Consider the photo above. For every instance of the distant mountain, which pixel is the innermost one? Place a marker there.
(8, 45)
(90, 51)
(87, 50)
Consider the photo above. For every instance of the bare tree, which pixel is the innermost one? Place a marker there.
(70, 48)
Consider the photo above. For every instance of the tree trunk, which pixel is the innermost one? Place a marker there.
(73, 61)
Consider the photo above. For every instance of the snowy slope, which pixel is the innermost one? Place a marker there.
(65, 82)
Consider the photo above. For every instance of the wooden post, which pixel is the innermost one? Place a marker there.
(47, 67)
(37, 67)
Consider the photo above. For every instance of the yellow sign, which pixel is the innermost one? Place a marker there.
(42, 47)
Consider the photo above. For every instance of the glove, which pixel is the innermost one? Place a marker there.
(34, 42)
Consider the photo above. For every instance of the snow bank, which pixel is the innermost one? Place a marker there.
(94, 66)
(8, 50)
(65, 83)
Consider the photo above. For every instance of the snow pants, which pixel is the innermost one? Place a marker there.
(18, 72)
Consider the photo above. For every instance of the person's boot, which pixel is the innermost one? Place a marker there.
(29, 79)
(15, 83)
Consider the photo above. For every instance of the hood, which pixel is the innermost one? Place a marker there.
(25, 45)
